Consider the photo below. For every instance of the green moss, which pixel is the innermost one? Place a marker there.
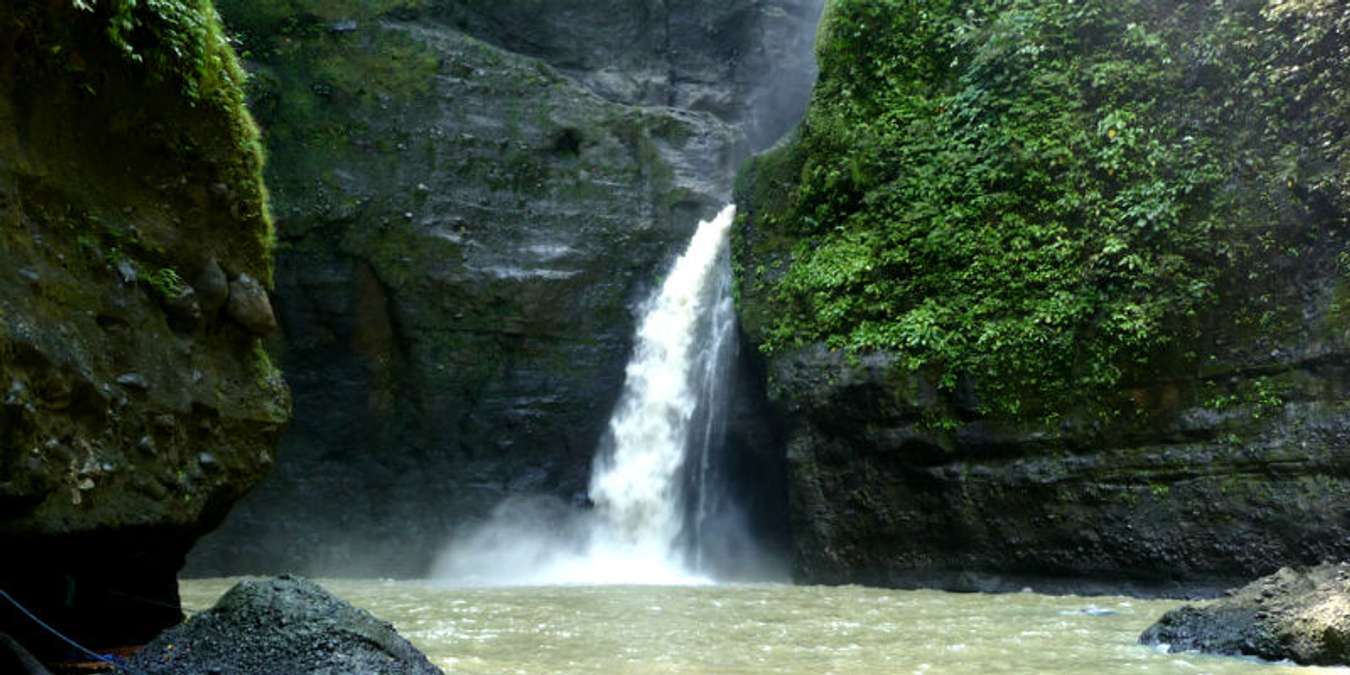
(258, 18)
(1047, 197)
(400, 66)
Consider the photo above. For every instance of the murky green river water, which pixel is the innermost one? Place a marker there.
(766, 629)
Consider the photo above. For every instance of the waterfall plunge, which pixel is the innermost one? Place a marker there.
(641, 530)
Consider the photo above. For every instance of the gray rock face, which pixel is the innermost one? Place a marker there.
(748, 63)
(1301, 615)
(473, 199)
(282, 625)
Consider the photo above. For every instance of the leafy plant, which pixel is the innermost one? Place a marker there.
(176, 38)
(166, 282)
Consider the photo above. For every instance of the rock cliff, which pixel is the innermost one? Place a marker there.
(1064, 305)
(471, 199)
(137, 402)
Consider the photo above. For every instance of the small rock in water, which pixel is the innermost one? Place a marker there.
(1302, 615)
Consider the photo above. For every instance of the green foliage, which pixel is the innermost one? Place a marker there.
(1038, 195)
(166, 282)
(176, 38)
(266, 372)
(179, 63)
(1261, 396)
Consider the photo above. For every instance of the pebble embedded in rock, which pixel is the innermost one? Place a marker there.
(250, 307)
(127, 272)
(133, 380)
(208, 461)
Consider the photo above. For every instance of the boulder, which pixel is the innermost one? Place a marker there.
(1302, 615)
(249, 306)
(281, 625)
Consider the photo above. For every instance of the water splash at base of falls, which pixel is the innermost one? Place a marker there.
(651, 483)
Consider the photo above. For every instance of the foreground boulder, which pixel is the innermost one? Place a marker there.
(281, 625)
(1301, 615)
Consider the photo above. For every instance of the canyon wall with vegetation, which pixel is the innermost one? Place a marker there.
(1053, 294)
(136, 402)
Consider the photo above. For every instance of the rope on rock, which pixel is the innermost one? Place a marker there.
(105, 658)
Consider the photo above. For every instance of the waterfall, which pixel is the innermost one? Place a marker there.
(653, 483)
(714, 398)
(637, 486)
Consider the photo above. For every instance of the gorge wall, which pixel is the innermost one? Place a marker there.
(135, 240)
(471, 199)
(1058, 294)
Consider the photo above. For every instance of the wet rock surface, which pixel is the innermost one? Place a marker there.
(469, 218)
(1183, 502)
(281, 625)
(1301, 615)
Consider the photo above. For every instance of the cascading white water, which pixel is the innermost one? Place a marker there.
(637, 530)
(637, 488)
(715, 361)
